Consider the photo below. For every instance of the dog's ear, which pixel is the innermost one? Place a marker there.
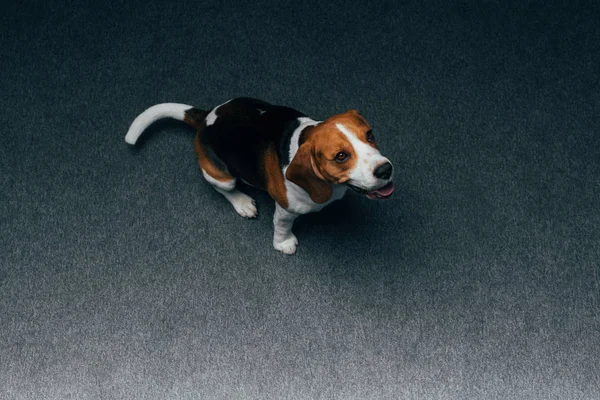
(303, 172)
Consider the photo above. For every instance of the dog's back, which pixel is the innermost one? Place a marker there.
(241, 131)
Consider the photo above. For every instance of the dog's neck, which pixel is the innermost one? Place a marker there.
(295, 140)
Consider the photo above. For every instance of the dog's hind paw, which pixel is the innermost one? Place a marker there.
(244, 205)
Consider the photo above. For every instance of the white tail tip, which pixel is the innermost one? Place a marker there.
(153, 114)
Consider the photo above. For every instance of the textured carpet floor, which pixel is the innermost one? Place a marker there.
(124, 276)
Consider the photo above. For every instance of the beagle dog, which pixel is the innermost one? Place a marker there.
(303, 164)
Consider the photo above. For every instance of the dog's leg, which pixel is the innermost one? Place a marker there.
(243, 204)
(224, 183)
(283, 239)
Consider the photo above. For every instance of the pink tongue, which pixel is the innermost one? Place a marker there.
(384, 191)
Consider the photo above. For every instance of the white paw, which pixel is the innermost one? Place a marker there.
(244, 205)
(287, 246)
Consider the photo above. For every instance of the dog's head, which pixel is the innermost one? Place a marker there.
(341, 150)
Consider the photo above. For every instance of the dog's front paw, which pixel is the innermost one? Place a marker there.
(287, 246)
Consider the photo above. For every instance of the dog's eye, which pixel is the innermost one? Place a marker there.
(370, 136)
(341, 156)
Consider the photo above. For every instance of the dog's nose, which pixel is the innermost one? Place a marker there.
(384, 171)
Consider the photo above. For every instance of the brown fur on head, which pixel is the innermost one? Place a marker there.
(316, 165)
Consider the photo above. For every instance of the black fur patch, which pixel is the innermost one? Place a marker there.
(244, 129)
(195, 117)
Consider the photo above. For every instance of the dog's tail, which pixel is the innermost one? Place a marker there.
(181, 112)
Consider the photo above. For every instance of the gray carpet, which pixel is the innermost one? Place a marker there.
(124, 276)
